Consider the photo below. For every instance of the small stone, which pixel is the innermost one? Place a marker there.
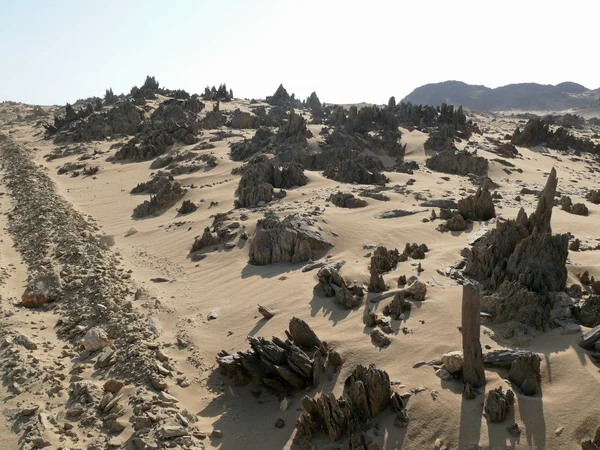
(113, 386)
(131, 231)
(95, 339)
(280, 423)
(444, 374)
(172, 431)
(216, 434)
(453, 361)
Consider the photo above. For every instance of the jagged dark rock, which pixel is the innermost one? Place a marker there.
(346, 200)
(346, 295)
(588, 313)
(458, 163)
(365, 169)
(525, 373)
(367, 393)
(282, 366)
(145, 147)
(260, 175)
(473, 372)
(290, 240)
(168, 192)
(519, 263)
(498, 403)
(477, 207)
(187, 207)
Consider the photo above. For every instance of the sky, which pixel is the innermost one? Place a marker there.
(53, 52)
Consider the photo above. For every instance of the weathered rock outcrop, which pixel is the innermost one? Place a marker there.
(144, 147)
(458, 163)
(282, 366)
(290, 240)
(383, 260)
(498, 403)
(166, 192)
(477, 207)
(260, 175)
(365, 169)
(346, 295)
(525, 373)
(346, 200)
(519, 263)
(367, 393)
(260, 143)
(473, 371)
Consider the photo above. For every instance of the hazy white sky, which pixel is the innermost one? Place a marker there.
(346, 51)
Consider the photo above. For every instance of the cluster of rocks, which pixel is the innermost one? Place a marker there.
(291, 137)
(123, 118)
(223, 230)
(458, 163)
(283, 99)
(384, 260)
(102, 335)
(291, 240)
(367, 393)
(538, 131)
(165, 192)
(519, 263)
(282, 366)
(478, 207)
(145, 146)
(451, 124)
(347, 295)
(260, 176)
(364, 169)
(346, 200)
(566, 204)
(218, 94)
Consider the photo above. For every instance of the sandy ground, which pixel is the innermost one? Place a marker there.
(565, 412)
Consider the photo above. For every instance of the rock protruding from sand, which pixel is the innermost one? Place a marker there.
(458, 163)
(291, 240)
(281, 366)
(346, 200)
(367, 393)
(260, 175)
(519, 262)
(473, 371)
(477, 207)
(346, 295)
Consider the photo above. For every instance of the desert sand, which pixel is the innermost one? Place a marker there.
(564, 413)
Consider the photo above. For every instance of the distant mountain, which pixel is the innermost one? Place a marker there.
(521, 96)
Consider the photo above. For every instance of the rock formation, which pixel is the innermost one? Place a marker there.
(290, 240)
(282, 366)
(477, 207)
(346, 295)
(166, 192)
(519, 263)
(525, 373)
(260, 175)
(346, 200)
(367, 393)
(473, 371)
(365, 169)
(498, 403)
(383, 260)
(458, 163)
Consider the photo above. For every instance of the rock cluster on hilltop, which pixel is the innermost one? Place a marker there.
(367, 393)
(458, 163)
(261, 175)
(281, 366)
(520, 262)
(291, 240)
